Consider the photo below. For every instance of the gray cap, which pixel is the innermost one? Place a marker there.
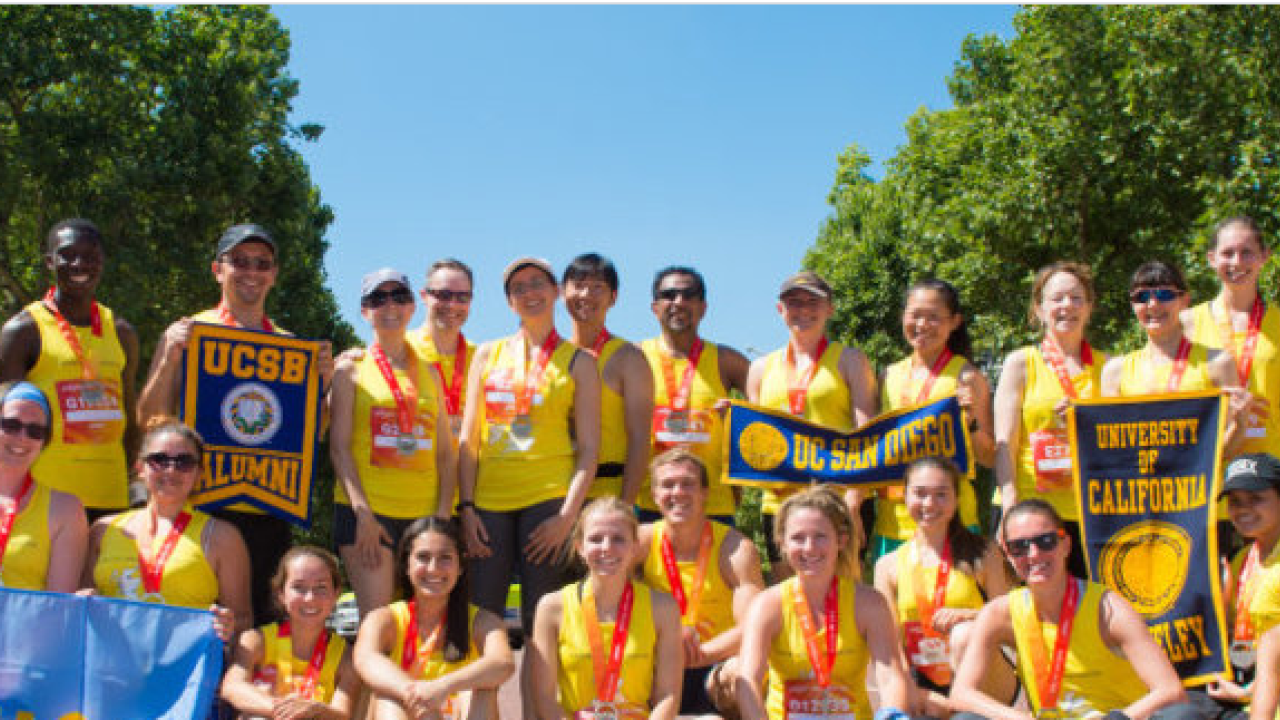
(1255, 471)
(808, 281)
(518, 263)
(237, 234)
(384, 275)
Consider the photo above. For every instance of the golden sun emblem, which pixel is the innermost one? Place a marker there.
(1147, 563)
(762, 446)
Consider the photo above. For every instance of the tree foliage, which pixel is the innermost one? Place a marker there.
(163, 127)
(1105, 134)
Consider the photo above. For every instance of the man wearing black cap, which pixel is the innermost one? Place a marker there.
(245, 268)
(85, 360)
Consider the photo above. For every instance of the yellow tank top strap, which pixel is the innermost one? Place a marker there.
(715, 604)
(963, 590)
(25, 564)
(436, 666)
(326, 683)
(613, 425)
(1138, 377)
(576, 676)
(188, 579)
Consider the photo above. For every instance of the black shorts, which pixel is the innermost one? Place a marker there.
(694, 699)
(344, 527)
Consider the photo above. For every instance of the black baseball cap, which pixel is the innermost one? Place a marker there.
(237, 234)
(1255, 471)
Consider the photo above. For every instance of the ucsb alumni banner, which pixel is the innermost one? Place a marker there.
(1146, 479)
(65, 657)
(255, 398)
(768, 448)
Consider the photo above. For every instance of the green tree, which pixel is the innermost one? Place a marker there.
(1110, 135)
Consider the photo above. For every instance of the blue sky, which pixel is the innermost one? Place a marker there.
(656, 135)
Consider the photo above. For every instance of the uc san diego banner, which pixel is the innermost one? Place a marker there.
(768, 448)
(64, 657)
(255, 398)
(1146, 478)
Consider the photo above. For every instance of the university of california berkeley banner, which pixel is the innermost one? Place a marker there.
(1146, 479)
(255, 398)
(768, 448)
(65, 657)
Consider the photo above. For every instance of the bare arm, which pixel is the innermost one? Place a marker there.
(860, 377)
(1112, 373)
(129, 386)
(875, 622)
(755, 377)
(1122, 627)
(92, 545)
(543, 658)
(992, 629)
(68, 539)
(668, 659)
(19, 346)
(764, 621)
(740, 567)
(476, 539)
(446, 455)
(994, 579)
(733, 369)
(975, 397)
(1241, 403)
(1008, 419)
(637, 399)
(342, 401)
(159, 394)
(237, 686)
(886, 582)
(230, 560)
(1266, 688)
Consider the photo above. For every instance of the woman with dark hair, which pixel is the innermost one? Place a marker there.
(937, 582)
(934, 325)
(1083, 651)
(42, 531)
(419, 655)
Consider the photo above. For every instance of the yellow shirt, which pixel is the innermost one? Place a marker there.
(828, 401)
(715, 606)
(1095, 678)
(289, 680)
(1138, 377)
(963, 591)
(25, 564)
(706, 430)
(1264, 376)
(519, 472)
(576, 675)
(426, 348)
(188, 579)
(436, 666)
(1264, 607)
(1039, 397)
(613, 426)
(791, 678)
(892, 519)
(85, 456)
(397, 484)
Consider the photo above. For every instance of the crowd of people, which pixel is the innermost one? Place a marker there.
(591, 469)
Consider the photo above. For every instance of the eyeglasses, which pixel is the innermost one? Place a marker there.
(458, 296)
(1164, 295)
(239, 262)
(378, 298)
(672, 294)
(1021, 547)
(182, 463)
(13, 426)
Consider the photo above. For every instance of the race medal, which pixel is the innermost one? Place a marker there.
(823, 664)
(1050, 714)
(928, 649)
(1243, 654)
(607, 669)
(674, 416)
(92, 392)
(1243, 651)
(677, 422)
(604, 711)
(306, 685)
(152, 567)
(406, 399)
(1047, 673)
(406, 443)
(522, 427)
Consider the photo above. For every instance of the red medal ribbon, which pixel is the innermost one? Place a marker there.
(1050, 684)
(528, 379)
(1053, 356)
(935, 371)
(69, 334)
(453, 386)
(678, 399)
(831, 611)
(1244, 595)
(226, 318)
(1179, 366)
(1244, 358)
(609, 672)
(153, 568)
(406, 403)
(284, 652)
(798, 387)
(688, 602)
(9, 513)
(412, 650)
(927, 608)
(601, 338)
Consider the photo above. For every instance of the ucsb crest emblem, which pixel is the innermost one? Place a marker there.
(251, 413)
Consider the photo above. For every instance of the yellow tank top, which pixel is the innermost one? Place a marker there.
(1095, 677)
(1264, 376)
(715, 607)
(422, 343)
(613, 426)
(289, 682)
(705, 423)
(828, 402)
(436, 666)
(892, 519)
(85, 456)
(1041, 394)
(962, 588)
(211, 317)
(791, 678)
(1138, 378)
(1264, 607)
(519, 472)
(26, 558)
(577, 676)
(188, 579)
(398, 485)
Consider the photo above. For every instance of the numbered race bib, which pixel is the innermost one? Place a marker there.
(806, 700)
(91, 411)
(625, 711)
(928, 652)
(1051, 453)
(681, 427)
(387, 450)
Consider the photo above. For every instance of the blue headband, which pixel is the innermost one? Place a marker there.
(23, 390)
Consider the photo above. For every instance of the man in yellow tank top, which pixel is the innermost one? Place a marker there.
(84, 359)
(691, 378)
(447, 296)
(590, 286)
(713, 572)
(245, 267)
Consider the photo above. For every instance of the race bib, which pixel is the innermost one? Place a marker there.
(618, 712)
(806, 700)
(681, 427)
(387, 449)
(1051, 453)
(91, 411)
(1256, 427)
(928, 652)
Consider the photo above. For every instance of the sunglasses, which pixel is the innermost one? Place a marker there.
(14, 426)
(1164, 295)
(260, 264)
(182, 463)
(671, 294)
(458, 296)
(1048, 542)
(378, 298)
